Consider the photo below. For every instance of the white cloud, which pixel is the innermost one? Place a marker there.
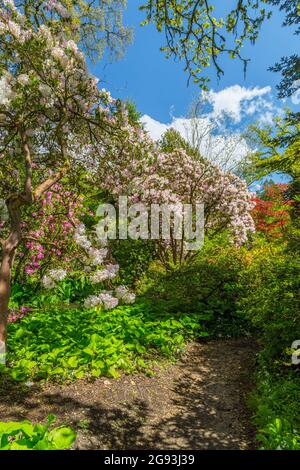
(232, 101)
(155, 128)
(221, 148)
(266, 119)
(218, 131)
(296, 95)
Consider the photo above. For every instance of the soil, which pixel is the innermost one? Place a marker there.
(197, 403)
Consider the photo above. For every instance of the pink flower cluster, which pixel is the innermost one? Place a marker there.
(16, 315)
(56, 220)
(141, 171)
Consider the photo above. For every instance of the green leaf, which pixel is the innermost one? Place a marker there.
(62, 437)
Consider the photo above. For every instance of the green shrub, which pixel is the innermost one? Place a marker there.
(270, 299)
(277, 409)
(134, 257)
(27, 436)
(208, 286)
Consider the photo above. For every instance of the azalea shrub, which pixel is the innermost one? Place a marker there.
(87, 276)
(149, 175)
(272, 210)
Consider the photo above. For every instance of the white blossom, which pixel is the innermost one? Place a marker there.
(52, 277)
(97, 256)
(6, 93)
(23, 79)
(48, 282)
(129, 298)
(108, 300)
(100, 276)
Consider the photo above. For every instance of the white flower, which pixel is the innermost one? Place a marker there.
(45, 90)
(72, 46)
(45, 32)
(129, 298)
(14, 29)
(57, 274)
(105, 299)
(92, 301)
(113, 269)
(48, 282)
(97, 256)
(108, 300)
(82, 241)
(80, 229)
(6, 93)
(121, 291)
(100, 276)
(58, 54)
(61, 10)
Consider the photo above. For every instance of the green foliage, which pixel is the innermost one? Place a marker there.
(197, 35)
(277, 410)
(270, 299)
(134, 257)
(209, 286)
(134, 116)
(25, 435)
(172, 140)
(70, 290)
(278, 147)
(69, 344)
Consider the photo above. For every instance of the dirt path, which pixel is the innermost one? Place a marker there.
(197, 403)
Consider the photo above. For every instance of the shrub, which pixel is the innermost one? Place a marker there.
(277, 409)
(270, 298)
(134, 258)
(208, 287)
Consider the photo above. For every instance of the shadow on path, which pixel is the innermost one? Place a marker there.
(197, 403)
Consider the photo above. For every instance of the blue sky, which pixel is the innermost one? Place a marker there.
(159, 86)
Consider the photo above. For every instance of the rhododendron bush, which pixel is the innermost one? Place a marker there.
(148, 175)
(50, 110)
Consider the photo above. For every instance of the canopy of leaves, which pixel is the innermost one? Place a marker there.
(197, 36)
(289, 66)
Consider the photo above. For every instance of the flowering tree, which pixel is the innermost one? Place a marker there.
(148, 175)
(50, 110)
(97, 24)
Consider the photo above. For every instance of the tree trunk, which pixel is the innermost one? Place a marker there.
(5, 280)
(9, 247)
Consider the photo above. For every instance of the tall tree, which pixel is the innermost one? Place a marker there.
(51, 114)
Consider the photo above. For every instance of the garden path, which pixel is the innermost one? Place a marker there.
(197, 403)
